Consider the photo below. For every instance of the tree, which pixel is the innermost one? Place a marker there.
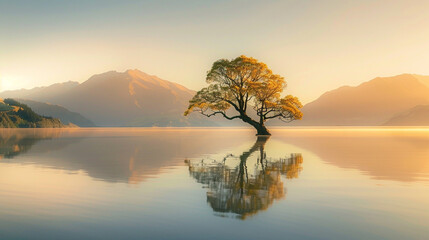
(241, 85)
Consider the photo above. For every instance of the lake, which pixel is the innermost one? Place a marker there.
(212, 183)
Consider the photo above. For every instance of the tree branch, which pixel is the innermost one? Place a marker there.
(219, 112)
(274, 116)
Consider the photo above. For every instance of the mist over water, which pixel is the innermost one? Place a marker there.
(212, 183)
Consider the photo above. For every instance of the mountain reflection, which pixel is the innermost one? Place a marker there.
(16, 141)
(111, 155)
(250, 184)
(389, 154)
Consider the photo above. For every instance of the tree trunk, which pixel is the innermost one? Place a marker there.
(260, 127)
(262, 130)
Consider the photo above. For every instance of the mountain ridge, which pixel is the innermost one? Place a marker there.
(38, 93)
(370, 103)
(134, 98)
(130, 98)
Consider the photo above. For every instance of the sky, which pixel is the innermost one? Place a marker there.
(316, 45)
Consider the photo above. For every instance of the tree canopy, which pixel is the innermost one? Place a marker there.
(244, 84)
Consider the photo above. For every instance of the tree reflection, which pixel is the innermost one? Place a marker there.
(244, 190)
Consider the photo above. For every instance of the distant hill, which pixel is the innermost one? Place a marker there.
(371, 103)
(4, 107)
(416, 116)
(131, 98)
(41, 94)
(55, 111)
(14, 114)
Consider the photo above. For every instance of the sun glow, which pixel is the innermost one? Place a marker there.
(10, 82)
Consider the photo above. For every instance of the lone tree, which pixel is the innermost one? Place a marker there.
(245, 84)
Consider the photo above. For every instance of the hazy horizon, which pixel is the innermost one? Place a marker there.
(311, 43)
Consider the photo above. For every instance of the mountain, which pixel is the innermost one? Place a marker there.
(416, 116)
(130, 98)
(369, 104)
(423, 79)
(14, 114)
(134, 98)
(41, 94)
(55, 111)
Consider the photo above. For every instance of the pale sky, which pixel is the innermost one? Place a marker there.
(316, 45)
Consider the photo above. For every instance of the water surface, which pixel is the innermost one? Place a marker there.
(350, 183)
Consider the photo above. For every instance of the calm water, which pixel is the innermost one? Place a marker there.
(214, 184)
